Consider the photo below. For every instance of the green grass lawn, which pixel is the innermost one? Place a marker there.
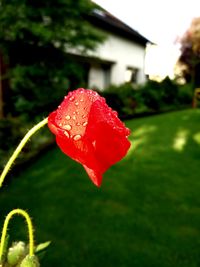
(147, 212)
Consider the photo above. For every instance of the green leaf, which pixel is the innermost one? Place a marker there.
(42, 246)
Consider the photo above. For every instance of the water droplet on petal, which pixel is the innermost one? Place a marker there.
(76, 103)
(66, 134)
(85, 123)
(77, 137)
(81, 100)
(67, 127)
(74, 117)
(68, 117)
(72, 98)
(94, 143)
(83, 116)
(78, 124)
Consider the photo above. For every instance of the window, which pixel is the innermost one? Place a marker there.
(131, 75)
(106, 74)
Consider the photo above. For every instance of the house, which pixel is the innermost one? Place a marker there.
(120, 58)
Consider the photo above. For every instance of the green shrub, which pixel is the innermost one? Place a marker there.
(123, 98)
(152, 96)
(10, 133)
(169, 89)
(165, 95)
(185, 94)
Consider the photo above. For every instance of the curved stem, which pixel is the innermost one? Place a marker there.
(30, 230)
(19, 148)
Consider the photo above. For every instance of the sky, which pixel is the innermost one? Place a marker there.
(162, 22)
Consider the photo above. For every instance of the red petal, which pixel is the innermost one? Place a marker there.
(94, 175)
(108, 135)
(89, 132)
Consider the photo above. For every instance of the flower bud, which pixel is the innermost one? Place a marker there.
(16, 253)
(30, 261)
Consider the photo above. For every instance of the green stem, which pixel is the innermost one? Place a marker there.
(19, 148)
(30, 230)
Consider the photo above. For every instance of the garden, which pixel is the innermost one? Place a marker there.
(146, 212)
(99, 177)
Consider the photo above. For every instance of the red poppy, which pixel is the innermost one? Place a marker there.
(89, 131)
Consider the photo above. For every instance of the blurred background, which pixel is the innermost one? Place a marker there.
(144, 58)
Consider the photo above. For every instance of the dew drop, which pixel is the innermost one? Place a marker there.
(67, 127)
(77, 137)
(83, 116)
(78, 124)
(72, 98)
(85, 123)
(66, 134)
(67, 117)
(81, 100)
(94, 143)
(76, 103)
(74, 117)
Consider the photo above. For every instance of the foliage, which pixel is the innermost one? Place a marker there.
(147, 213)
(12, 130)
(160, 95)
(185, 94)
(35, 37)
(121, 98)
(190, 53)
(10, 133)
(150, 97)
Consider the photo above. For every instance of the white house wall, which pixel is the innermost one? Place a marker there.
(125, 54)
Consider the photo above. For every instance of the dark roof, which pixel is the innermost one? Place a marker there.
(107, 21)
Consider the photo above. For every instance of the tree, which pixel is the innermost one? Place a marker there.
(190, 53)
(35, 36)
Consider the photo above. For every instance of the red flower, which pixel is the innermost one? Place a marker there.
(90, 132)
